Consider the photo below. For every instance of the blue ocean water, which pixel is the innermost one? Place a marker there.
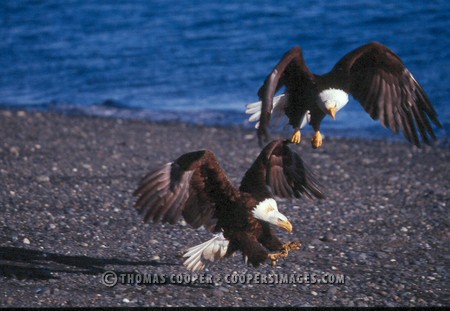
(202, 61)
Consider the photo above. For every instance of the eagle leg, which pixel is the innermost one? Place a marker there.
(275, 256)
(291, 246)
(285, 251)
(316, 140)
(297, 136)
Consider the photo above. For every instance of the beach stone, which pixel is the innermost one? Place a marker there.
(43, 178)
(332, 291)
(15, 151)
(218, 293)
(328, 237)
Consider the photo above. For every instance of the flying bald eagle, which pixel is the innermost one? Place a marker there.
(372, 74)
(196, 187)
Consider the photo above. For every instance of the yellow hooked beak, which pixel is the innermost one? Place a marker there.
(332, 112)
(285, 224)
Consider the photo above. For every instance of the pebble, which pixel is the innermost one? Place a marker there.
(15, 151)
(362, 256)
(218, 293)
(43, 178)
(328, 237)
(7, 113)
(332, 291)
(362, 304)
(223, 289)
(87, 166)
(43, 290)
(26, 241)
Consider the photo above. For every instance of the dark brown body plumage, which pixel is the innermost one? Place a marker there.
(196, 187)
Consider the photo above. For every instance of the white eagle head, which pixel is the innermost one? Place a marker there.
(267, 211)
(331, 101)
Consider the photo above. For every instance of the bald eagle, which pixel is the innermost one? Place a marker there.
(196, 187)
(372, 74)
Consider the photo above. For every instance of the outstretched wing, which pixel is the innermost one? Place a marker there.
(293, 73)
(387, 90)
(191, 186)
(279, 171)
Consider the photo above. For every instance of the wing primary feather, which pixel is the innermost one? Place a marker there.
(421, 123)
(288, 190)
(382, 102)
(171, 213)
(388, 99)
(152, 176)
(147, 209)
(407, 125)
(391, 111)
(151, 185)
(145, 199)
(177, 196)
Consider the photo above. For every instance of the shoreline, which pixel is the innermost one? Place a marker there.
(203, 118)
(67, 217)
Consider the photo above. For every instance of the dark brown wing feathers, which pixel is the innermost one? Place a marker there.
(278, 171)
(379, 80)
(293, 73)
(193, 186)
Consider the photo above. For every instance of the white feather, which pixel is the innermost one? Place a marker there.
(267, 210)
(264, 208)
(306, 118)
(330, 98)
(278, 116)
(255, 116)
(211, 250)
(254, 105)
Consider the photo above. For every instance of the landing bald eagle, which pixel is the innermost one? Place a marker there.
(372, 74)
(196, 187)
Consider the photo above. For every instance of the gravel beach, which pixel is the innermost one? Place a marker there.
(67, 217)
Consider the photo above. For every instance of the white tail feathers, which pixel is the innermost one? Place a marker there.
(211, 250)
(306, 118)
(278, 116)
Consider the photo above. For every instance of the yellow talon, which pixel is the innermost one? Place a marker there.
(296, 137)
(274, 257)
(291, 246)
(284, 253)
(316, 140)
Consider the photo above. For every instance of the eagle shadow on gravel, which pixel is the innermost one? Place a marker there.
(28, 264)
